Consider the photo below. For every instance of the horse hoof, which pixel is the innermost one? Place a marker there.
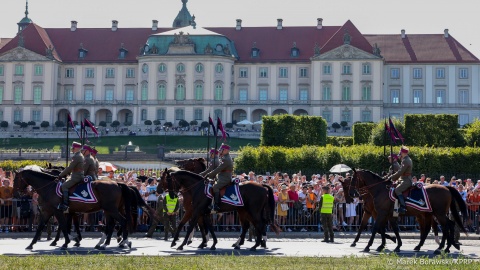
(353, 245)
(447, 250)
(457, 246)
(101, 248)
(29, 247)
(121, 246)
(417, 248)
(213, 248)
(180, 248)
(366, 250)
(53, 244)
(394, 240)
(173, 244)
(437, 251)
(76, 244)
(396, 250)
(236, 247)
(97, 247)
(129, 245)
(380, 248)
(119, 239)
(189, 242)
(63, 248)
(253, 249)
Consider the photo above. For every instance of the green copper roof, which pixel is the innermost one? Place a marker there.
(183, 18)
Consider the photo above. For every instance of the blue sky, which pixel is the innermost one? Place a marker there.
(370, 16)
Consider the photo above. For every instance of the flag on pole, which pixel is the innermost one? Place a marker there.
(210, 121)
(73, 126)
(394, 132)
(220, 127)
(92, 127)
(389, 132)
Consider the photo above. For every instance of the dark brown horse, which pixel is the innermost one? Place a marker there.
(113, 199)
(196, 165)
(258, 208)
(442, 199)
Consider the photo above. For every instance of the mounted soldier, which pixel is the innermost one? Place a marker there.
(394, 166)
(97, 164)
(76, 169)
(214, 162)
(405, 176)
(89, 167)
(223, 173)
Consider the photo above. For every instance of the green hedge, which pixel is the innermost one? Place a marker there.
(314, 159)
(293, 131)
(340, 140)
(362, 132)
(379, 137)
(13, 165)
(433, 130)
(472, 133)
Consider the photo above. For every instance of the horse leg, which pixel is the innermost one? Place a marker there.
(425, 223)
(43, 217)
(193, 222)
(57, 237)
(182, 223)
(377, 226)
(123, 224)
(241, 239)
(76, 224)
(208, 224)
(442, 220)
(394, 224)
(363, 225)
(101, 243)
(62, 223)
(382, 235)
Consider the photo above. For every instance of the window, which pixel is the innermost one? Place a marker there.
(366, 116)
(110, 73)
(218, 92)
(88, 94)
(37, 95)
(217, 114)
(255, 52)
(327, 69)
(17, 116)
(145, 68)
(161, 92)
(417, 96)
(463, 73)
(2, 70)
(394, 73)
(283, 72)
(162, 68)
(366, 92)
(161, 114)
(179, 114)
(108, 117)
(243, 95)
(463, 96)
(198, 114)
(366, 69)
(346, 69)
(327, 115)
(243, 73)
(144, 93)
(180, 92)
(199, 92)
(463, 119)
(242, 115)
(122, 55)
(441, 97)
(327, 92)
(18, 94)
(263, 94)
(143, 116)
(38, 70)
(180, 68)
(129, 93)
(395, 96)
(36, 115)
(417, 73)
(1, 94)
(263, 72)
(68, 93)
(294, 52)
(199, 68)
(69, 73)
(303, 94)
(346, 115)
(109, 91)
(303, 72)
(346, 95)
(219, 68)
(283, 95)
(130, 73)
(89, 73)
(440, 73)
(18, 70)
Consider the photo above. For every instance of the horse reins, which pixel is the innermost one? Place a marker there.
(364, 190)
(35, 189)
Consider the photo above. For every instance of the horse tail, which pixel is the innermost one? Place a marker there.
(271, 210)
(458, 200)
(142, 204)
(128, 206)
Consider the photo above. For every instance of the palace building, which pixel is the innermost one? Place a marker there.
(187, 71)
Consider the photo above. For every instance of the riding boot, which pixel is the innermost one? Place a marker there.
(64, 206)
(216, 206)
(402, 209)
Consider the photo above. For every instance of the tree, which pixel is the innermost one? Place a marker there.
(183, 123)
(157, 122)
(45, 124)
(75, 123)
(24, 125)
(4, 124)
(127, 124)
(59, 124)
(17, 123)
(32, 123)
(193, 123)
(148, 122)
(115, 124)
(229, 125)
(336, 126)
(204, 124)
(344, 124)
(102, 124)
(168, 124)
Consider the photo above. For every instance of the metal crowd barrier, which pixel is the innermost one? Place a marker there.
(15, 218)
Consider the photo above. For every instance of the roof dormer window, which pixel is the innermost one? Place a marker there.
(123, 51)
(219, 48)
(294, 52)
(82, 52)
(255, 51)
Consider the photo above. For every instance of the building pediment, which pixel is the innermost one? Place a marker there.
(345, 52)
(22, 54)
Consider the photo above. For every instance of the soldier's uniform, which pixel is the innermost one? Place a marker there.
(76, 169)
(405, 176)
(395, 166)
(97, 164)
(223, 173)
(89, 163)
(159, 210)
(214, 162)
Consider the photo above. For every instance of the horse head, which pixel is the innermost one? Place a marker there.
(348, 189)
(163, 179)
(196, 165)
(364, 180)
(19, 184)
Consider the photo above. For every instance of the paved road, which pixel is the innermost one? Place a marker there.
(276, 247)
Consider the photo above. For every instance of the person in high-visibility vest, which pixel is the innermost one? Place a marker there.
(170, 212)
(326, 210)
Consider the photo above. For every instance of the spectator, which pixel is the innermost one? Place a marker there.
(473, 201)
(442, 181)
(326, 210)
(142, 177)
(170, 210)
(462, 192)
(339, 203)
(311, 200)
(468, 184)
(350, 212)
(293, 207)
(6, 208)
(282, 208)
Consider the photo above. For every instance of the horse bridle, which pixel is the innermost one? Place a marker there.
(174, 181)
(365, 189)
(20, 177)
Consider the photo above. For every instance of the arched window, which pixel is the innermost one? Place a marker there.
(199, 91)
(144, 93)
(180, 92)
(161, 92)
(219, 92)
(144, 115)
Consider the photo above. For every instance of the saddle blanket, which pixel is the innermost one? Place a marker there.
(83, 193)
(232, 195)
(417, 198)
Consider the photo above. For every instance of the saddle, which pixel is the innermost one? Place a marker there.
(222, 190)
(409, 190)
(87, 179)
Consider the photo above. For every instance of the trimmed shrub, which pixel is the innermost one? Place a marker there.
(340, 140)
(433, 130)
(293, 131)
(362, 132)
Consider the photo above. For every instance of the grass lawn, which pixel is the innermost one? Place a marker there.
(109, 144)
(228, 262)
